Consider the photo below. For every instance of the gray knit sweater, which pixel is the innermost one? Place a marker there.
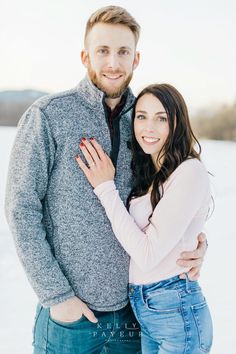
(62, 235)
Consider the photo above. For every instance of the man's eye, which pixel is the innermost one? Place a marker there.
(123, 52)
(102, 51)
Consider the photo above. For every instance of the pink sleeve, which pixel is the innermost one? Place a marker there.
(184, 194)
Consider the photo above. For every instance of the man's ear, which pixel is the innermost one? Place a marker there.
(136, 60)
(84, 57)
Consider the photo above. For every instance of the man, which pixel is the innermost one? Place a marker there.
(64, 240)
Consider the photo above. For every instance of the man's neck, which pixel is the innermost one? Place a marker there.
(112, 102)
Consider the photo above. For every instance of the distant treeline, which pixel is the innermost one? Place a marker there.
(220, 125)
(14, 103)
(11, 113)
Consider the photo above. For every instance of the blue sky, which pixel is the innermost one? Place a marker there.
(190, 44)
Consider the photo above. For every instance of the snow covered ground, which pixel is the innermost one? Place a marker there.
(17, 300)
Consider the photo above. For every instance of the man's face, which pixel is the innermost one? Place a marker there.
(110, 57)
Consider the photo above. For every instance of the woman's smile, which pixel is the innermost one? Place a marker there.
(150, 140)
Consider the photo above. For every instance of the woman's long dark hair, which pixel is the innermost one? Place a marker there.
(178, 147)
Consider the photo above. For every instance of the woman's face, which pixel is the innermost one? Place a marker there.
(151, 125)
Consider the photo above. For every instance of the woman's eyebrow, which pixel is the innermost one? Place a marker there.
(161, 112)
(140, 111)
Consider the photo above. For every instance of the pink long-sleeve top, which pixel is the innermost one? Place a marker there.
(177, 220)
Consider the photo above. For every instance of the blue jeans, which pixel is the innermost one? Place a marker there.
(173, 315)
(116, 332)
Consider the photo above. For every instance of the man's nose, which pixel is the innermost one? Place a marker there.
(113, 61)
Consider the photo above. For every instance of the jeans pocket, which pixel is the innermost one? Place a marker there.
(65, 324)
(163, 301)
(203, 321)
(163, 323)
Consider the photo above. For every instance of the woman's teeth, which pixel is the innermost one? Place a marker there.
(150, 140)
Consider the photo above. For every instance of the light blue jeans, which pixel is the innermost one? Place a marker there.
(173, 315)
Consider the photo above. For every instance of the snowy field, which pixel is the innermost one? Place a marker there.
(218, 280)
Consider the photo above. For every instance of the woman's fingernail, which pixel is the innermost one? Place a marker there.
(91, 138)
(81, 145)
(84, 139)
(77, 156)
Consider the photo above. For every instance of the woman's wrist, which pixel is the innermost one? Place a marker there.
(104, 186)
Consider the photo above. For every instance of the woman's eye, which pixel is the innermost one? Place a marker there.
(140, 116)
(163, 119)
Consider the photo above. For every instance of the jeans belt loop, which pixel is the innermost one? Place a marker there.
(187, 283)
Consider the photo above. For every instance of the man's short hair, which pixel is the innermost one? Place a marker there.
(113, 15)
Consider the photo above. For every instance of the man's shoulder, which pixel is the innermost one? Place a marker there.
(58, 100)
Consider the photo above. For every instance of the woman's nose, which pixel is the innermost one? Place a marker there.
(149, 127)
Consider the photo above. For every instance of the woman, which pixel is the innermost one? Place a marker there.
(167, 208)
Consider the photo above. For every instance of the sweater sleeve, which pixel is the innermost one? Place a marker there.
(183, 197)
(31, 162)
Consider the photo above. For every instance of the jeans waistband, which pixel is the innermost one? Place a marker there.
(174, 283)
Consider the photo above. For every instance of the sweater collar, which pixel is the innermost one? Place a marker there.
(95, 97)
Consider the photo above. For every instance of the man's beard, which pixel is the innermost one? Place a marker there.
(110, 93)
